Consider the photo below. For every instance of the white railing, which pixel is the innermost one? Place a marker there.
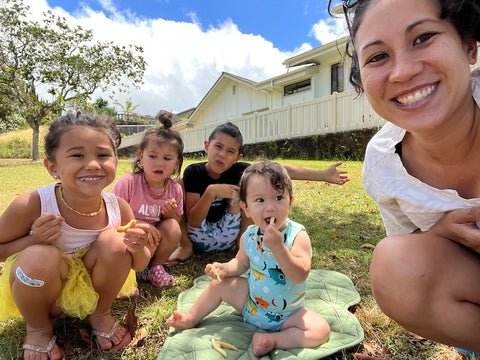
(338, 112)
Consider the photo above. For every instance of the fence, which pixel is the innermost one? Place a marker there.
(339, 112)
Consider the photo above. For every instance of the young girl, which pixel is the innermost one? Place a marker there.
(413, 61)
(278, 253)
(62, 249)
(155, 198)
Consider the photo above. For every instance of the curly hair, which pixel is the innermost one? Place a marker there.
(279, 178)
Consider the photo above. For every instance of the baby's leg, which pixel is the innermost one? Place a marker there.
(233, 291)
(303, 329)
(36, 281)
(108, 263)
(416, 277)
(171, 234)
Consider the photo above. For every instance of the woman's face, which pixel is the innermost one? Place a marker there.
(414, 67)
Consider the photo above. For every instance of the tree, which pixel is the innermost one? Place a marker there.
(128, 108)
(53, 58)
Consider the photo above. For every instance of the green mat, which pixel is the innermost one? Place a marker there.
(328, 292)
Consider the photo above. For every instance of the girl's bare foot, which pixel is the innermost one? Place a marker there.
(181, 321)
(262, 344)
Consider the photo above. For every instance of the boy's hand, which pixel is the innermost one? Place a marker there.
(226, 191)
(47, 229)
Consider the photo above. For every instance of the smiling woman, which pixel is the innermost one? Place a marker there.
(422, 167)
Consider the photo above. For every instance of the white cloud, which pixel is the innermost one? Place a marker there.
(329, 30)
(183, 61)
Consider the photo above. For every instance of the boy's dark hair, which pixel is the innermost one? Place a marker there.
(161, 135)
(277, 174)
(229, 129)
(63, 123)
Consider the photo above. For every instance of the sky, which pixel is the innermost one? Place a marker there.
(189, 43)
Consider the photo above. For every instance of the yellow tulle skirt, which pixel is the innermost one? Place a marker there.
(78, 298)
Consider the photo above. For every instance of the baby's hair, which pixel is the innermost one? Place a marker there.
(161, 135)
(229, 129)
(63, 123)
(277, 174)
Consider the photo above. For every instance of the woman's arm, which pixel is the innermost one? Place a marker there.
(330, 174)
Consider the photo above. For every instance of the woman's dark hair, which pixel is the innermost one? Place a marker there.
(161, 135)
(63, 123)
(274, 171)
(464, 15)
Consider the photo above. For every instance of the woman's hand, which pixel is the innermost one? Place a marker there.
(47, 229)
(459, 225)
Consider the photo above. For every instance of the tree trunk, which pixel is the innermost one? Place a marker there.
(36, 132)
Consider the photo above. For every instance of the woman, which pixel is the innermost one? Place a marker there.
(413, 59)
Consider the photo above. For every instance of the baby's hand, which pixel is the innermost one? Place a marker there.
(213, 270)
(47, 228)
(272, 238)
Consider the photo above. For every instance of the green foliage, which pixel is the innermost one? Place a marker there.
(65, 60)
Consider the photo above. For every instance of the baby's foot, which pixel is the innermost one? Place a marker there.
(181, 321)
(262, 344)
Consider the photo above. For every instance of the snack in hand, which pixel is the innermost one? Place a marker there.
(214, 271)
(131, 224)
(272, 220)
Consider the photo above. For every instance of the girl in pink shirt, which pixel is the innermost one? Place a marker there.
(154, 196)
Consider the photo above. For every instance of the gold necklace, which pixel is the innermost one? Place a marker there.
(156, 197)
(79, 212)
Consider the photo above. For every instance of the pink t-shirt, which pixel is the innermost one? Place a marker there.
(133, 189)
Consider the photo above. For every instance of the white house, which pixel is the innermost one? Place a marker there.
(312, 97)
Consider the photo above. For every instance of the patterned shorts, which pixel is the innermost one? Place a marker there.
(216, 236)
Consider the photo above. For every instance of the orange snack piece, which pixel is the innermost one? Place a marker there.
(130, 224)
(214, 271)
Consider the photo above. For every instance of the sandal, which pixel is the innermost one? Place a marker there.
(121, 344)
(47, 350)
(158, 276)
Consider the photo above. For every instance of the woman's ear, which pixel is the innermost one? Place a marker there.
(472, 52)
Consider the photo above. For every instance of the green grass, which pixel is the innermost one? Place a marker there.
(339, 219)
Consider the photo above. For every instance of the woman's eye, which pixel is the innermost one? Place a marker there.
(376, 58)
(423, 38)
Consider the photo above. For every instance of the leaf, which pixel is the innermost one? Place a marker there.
(132, 321)
(142, 333)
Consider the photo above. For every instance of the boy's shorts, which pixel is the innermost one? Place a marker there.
(216, 236)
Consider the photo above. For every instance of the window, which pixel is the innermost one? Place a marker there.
(297, 87)
(337, 78)
(234, 89)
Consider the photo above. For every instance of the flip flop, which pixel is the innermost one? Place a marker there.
(47, 350)
(122, 343)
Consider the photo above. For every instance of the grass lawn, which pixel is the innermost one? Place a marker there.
(343, 224)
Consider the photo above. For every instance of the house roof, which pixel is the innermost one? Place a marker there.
(218, 87)
(315, 55)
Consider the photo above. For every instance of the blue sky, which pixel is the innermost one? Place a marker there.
(188, 43)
